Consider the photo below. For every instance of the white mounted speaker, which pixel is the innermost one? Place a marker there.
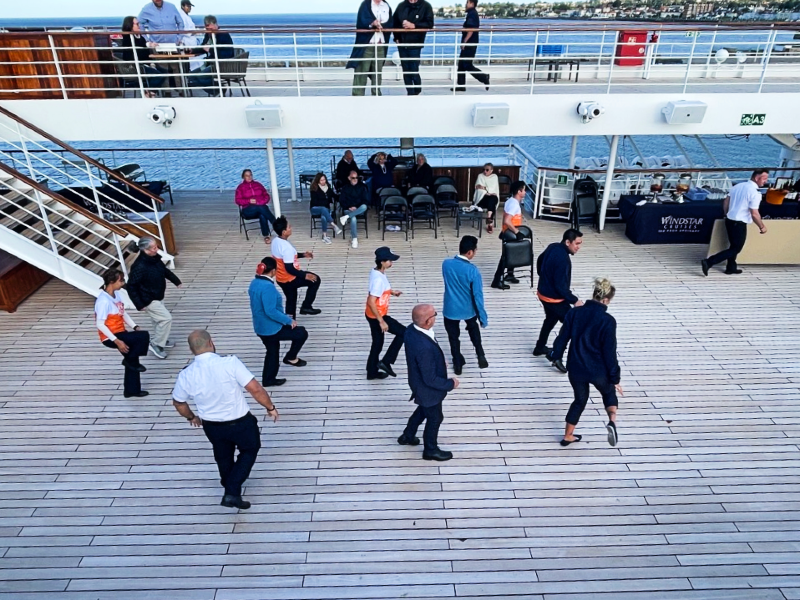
(490, 115)
(684, 112)
(264, 116)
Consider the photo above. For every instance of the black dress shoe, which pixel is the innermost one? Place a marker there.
(482, 362)
(377, 376)
(560, 366)
(487, 83)
(406, 441)
(544, 351)
(438, 454)
(705, 266)
(733, 272)
(511, 279)
(458, 89)
(501, 286)
(310, 311)
(457, 367)
(386, 369)
(235, 502)
(297, 363)
(274, 383)
(141, 394)
(129, 365)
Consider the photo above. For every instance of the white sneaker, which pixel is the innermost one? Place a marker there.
(159, 352)
(343, 220)
(326, 239)
(336, 229)
(355, 243)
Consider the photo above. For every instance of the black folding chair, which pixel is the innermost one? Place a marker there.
(423, 210)
(584, 202)
(243, 224)
(395, 210)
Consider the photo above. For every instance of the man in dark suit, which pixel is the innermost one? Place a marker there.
(427, 378)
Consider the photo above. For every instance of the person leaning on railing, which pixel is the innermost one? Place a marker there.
(217, 46)
(253, 198)
(369, 52)
(133, 41)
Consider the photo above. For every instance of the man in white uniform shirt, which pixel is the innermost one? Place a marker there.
(214, 383)
(189, 39)
(741, 209)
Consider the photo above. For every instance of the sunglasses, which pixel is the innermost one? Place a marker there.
(353, 178)
(486, 170)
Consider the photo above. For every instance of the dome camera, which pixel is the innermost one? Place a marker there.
(162, 115)
(590, 110)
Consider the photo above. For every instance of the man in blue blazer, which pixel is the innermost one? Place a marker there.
(427, 378)
(272, 324)
(463, 301)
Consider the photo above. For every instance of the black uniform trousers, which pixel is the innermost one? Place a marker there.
(397, 330)
(272, 343)
(737, 236)
(138, 342)
(554, 312)
(466, 65)
(451, 326)
(580, 388)
(290, 291)
(225, 438)
(409, 61)
(433, 417)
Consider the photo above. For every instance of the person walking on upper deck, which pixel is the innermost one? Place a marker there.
(740, 208)
(592, 337)
(369, 51)
(253, 198)
(512, 220)
(322, 198)
(414, 18)
(487, 194)
(377, 313)
(469, 47)
(354, 200)
(463, 301)
(554, 268)
(157, 16)
(147, 284)
(289, 275)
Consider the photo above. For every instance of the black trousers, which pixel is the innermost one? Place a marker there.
(397, 330)
(554, 312)
(225, 438)
(489, 203)
(580, 388)
(501, 269)
(290, 291)
(466, 65)
(138, 343)
(433, 417)
(272, 343)
(451, 326)
(737, 236)
(409, 57)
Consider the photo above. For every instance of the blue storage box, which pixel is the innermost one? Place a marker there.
(697, 194)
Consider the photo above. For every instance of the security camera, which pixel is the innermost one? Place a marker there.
(590, 110)
(162, 115)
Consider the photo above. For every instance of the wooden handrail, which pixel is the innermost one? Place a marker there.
(56, 196)
(63, 145)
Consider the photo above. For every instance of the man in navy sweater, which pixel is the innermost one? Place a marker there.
(555, 277)
(463, 301)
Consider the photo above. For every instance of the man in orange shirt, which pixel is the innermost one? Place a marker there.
(378, 318)
(512, 219)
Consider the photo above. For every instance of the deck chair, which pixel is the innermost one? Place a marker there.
(234, 70)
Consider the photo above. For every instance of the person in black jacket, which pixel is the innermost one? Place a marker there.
(353, 200)
(469, 47)
(217, 46)
(592, 335)
(414, 17)
(555, 277)
(427, 378)
(421, 174)
(322, 197)
(147, 284)
(152, 76)
(343, 168)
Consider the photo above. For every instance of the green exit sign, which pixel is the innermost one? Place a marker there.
(562, 180)
(751, 119)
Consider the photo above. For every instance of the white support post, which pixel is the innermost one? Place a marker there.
(612, 159)
(292, 180)
(573, 151)
(273, 178)
(59, 74)
(691, 58)
(766, 59)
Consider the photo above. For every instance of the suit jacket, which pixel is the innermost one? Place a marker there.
(427, 371)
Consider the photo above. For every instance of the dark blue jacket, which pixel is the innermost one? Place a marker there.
(379, 178)
(555, 273)
(592, 336)
(364, 21)
(427, 371)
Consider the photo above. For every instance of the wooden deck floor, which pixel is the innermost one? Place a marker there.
(106, 498)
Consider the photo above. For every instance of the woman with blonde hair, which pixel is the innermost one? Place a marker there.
(592, 336)
(322, 196)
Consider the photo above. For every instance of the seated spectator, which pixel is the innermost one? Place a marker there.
(289, 275)
(253, 198)
(353, 201)
(322, 195)
(382, 167)
(346, 164)
(132, 40)
(487, 193)
(217, 46)
(421, 174)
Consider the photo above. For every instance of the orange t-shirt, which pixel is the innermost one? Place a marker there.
(283, 252)
(513, 208)
(380, 288)
(112, 312)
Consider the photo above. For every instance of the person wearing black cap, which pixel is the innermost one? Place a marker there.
(379, 321)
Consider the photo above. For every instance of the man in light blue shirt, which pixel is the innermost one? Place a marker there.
(161, 16)
(463, 301)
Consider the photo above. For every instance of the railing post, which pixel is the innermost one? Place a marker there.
(689, 65)
(219, 172)
(138, 70)
(455, 63)
(94, 191)
(767, 56)
(273, 177)
(58, 67)
(600, 54)
(290, 152)
(611, 63)
(120, 256)
(296, 63)
(320, 48)
(491, 36)
(264, 47)
(37, 195)
(216, 65)
(158, 226)
(710, 54)
(533, 61)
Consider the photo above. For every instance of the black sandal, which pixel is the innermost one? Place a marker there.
(565, 443)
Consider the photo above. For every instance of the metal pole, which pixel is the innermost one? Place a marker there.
(273, 178)
(94, 190)
(710, 53)
(264, 46)
(612, 159)
(296, 63)
(216, 66)
(533, 62)
(683, 150)
(489, 58)
(219, 172)
(51, 238)
(290, 151)
(611, 63)
(138, 70)
(58, 67)
(600, 54)
(573, 151)
(767, 56)
(689, 65)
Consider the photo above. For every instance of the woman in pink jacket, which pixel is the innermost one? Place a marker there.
(253, 198)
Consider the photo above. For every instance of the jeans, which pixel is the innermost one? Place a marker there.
(152, 77)
(353, 220)
(324, 215)
(262, 213)
(225, 438)
(580, 388)
(162, 321)
(433, 417)
(554, 312)
(737, 236)
(451, 326)
(272, 343)
(137, 342)
(290, 291)
(409, 57)
(370, 65)
(466, 65)
(203, 77)
(397, 330)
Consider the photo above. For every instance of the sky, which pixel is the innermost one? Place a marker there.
(15, 9)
